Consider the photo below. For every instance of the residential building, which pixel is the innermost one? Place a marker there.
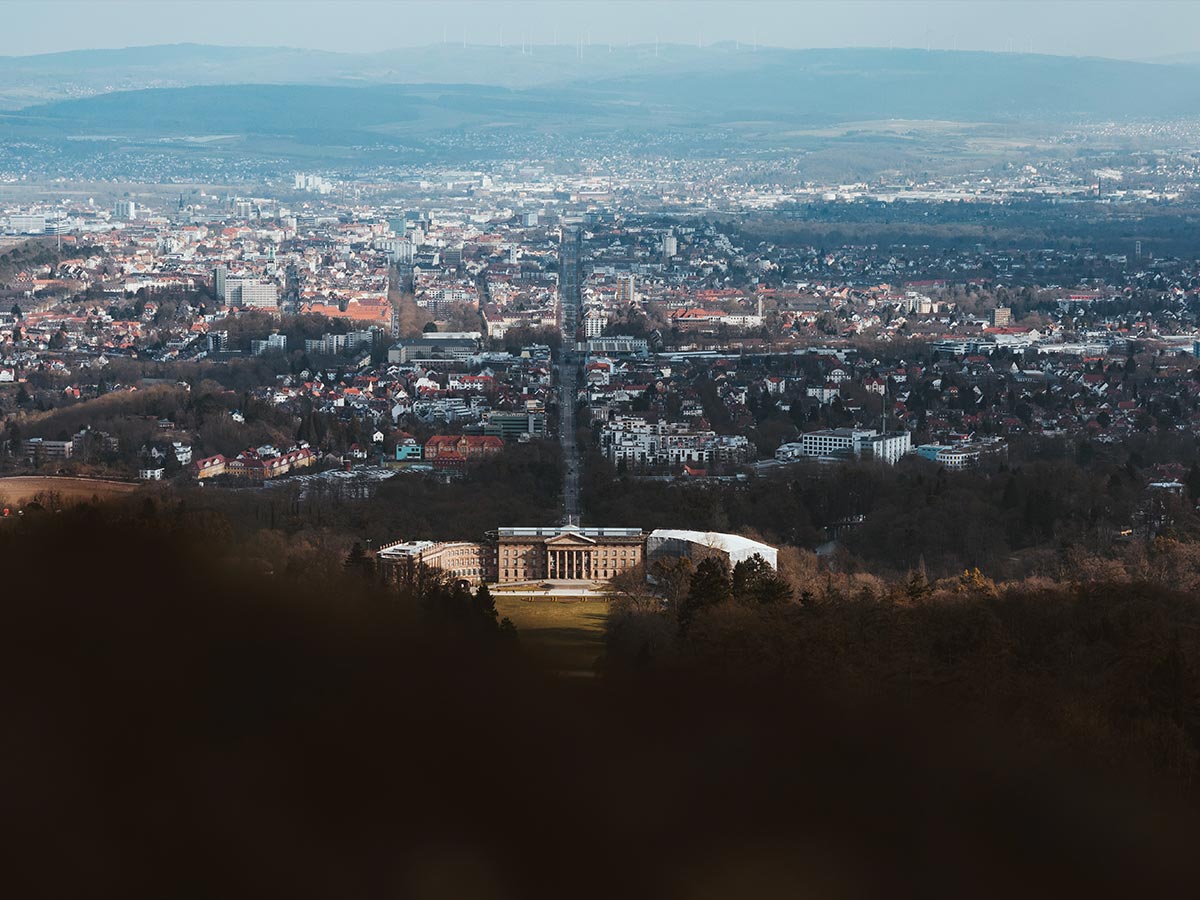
(594, 322)
(455, 451)
(265, 463)
(633, 440)
(209, 467)
(274, 342)
(254, 294)
(41, 449)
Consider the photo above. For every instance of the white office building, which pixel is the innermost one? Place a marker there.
(27, 223)
(257, 294)
(833, 444)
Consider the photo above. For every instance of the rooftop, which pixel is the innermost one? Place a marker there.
(551, 531)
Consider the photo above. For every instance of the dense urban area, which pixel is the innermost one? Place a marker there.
(319, 337)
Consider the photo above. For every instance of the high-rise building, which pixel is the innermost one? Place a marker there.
(670, 245)
(257, 294)
(220, 274)
(399, 250)
(1001, 316)
(125, 209)
(625, 291)
(594, 322)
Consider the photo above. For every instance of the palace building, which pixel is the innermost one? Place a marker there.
(562, 553)
(465, 560)
(566, 553)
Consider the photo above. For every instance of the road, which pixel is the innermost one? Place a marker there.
(566, 436)
(569, 302)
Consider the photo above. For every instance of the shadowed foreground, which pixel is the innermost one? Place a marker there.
(173, 729)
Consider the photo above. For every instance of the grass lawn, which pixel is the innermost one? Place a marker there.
(568, 636)
(21, 489)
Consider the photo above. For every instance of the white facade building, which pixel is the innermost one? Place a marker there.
(256, 294)
(635, 441)
(834, 444)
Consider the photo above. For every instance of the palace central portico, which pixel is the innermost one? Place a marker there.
(566, 553)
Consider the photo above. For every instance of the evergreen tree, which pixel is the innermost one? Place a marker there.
(710, 586)
(755, 581)
(1193, 482)
(357, 562)
(484, 605)
(917, 588)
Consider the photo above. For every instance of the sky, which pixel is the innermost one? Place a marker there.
(1113, 28)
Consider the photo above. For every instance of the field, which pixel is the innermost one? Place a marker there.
(569, 636)
(23, 488)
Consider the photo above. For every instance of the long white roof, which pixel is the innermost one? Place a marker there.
(735, 545)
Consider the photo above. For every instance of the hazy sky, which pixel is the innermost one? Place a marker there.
(1116, 28)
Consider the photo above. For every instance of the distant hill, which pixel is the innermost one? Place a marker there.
(1177, 59)
(711, 100)
(726, 80)
(28, 80)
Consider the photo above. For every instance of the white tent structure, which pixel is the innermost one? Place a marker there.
(695, 545)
